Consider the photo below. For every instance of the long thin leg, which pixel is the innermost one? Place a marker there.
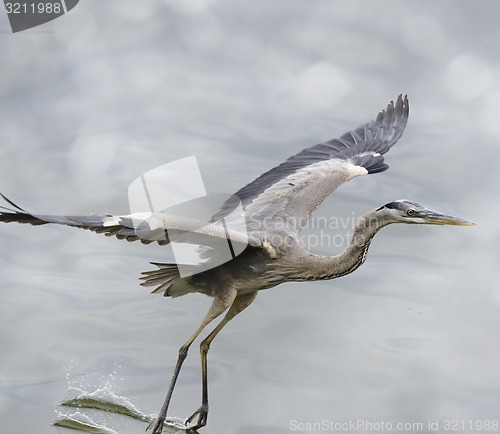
(240, 303)
(219, 305)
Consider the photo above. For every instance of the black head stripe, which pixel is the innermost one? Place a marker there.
(391, 205)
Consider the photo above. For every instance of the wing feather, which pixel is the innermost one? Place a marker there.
(286, 195)
(292, 191)
(144, 227)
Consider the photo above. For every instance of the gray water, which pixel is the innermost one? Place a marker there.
(90, 101)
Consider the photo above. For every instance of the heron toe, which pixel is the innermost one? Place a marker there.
(156, 426)
(202, 415)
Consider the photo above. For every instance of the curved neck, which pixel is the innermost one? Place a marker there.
(328, 267)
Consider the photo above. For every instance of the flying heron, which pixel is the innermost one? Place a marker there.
(284, 198)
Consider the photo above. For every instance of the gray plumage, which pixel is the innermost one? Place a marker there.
(276, 206)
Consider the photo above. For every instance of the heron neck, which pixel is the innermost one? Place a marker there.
(329, 267)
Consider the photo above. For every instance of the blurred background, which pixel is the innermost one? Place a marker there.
(90, 101)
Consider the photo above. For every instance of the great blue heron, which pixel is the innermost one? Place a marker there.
(284, 198)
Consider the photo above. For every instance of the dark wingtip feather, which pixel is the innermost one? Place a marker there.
(17, 215)
(11, 203)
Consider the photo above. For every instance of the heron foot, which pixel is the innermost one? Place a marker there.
(201, 414)
(156, 426)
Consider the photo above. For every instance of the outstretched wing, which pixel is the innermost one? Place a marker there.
(286, 196)
(283, 198)
(144, 227)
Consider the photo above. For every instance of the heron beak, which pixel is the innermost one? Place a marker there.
(436, 218)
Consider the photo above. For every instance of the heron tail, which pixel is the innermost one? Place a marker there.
(164, 278)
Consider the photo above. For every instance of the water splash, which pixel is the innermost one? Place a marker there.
(81, 422)
(104, 399)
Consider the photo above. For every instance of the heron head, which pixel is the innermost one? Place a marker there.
(407, 211)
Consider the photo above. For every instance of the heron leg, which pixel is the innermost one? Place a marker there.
(219, 305)
(240, 303)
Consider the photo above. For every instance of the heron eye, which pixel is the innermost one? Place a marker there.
(410, 212)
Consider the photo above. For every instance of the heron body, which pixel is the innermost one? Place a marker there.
(276, 207)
